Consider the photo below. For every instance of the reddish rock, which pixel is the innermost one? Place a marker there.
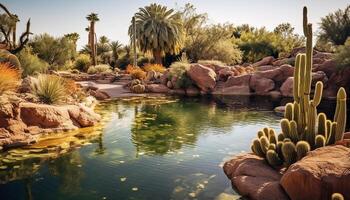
(83, 116)
(261, 85)
(329, 67)
(266, 67)
(265, 61)
(253, 178)
(157, 88)
(283, 61)
(177, 92)
(99, 95)
(192, 91)
(242, 80)
(203, 77)
(287, 87)
(164, 78)
(225, 73)
(318, 175)
(169, 84)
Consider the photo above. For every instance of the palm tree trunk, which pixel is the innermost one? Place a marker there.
(92, 43)
(157, 55)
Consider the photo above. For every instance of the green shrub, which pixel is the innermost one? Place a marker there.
(82, 62)
(30, 63)
(49, 89)
(178, 69)
(99, 69)
(342, 56)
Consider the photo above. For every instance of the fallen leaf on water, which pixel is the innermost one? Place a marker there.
(123, 179)
(135, 189)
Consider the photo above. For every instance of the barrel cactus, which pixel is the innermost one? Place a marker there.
(139, 88)
(7, 57)
(303, 129)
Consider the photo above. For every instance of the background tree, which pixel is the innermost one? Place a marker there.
(92, 18)
(74, 37)
(158, 30)
(335, 27)
(116, 48)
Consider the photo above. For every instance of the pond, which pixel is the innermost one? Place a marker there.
(149, 148)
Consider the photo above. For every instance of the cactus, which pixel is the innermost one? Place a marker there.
(135, 82)
(260, 134)
(272, 137)
(7, 57)
(266, 131)
(280, 137)
(138, 88)
(289, 153)
(264, 144)
(257, 148)
(288, 114)
(302, 148)
(294, 131)
(318, 93)
(272, 147)
(332, 132)
(340, 114)
(279, 149)
(322, 125)
(272, 158)
(337, 196)
(285, 126)
(320, 141)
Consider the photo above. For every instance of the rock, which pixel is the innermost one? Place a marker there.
(45, 116)
(318, 175)
(266, 67)
(253, 178)
(169, 84)
(280, 110)
(329, 67)
(275, 94)
(192, 91)
(99, 95)
(261, 85)
(151, 76)
(157, 88)
(319, 76)
(203, 77)
(265, 61)
(283, 61)
(83, 116)
(242, 80)
(287, 87)
(225, 73)
(164, 78)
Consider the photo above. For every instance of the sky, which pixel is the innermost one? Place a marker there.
(58, 17)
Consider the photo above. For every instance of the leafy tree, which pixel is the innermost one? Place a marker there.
(74, 37)
(55, 51)
(342, 56)
(335, 27)
(30, 63)
(158, 30)
(116, 48)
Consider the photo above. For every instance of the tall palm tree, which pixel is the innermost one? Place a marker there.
(92, 18)
(116, 48)
(158, 30)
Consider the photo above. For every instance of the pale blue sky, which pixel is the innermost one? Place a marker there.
(65, 16)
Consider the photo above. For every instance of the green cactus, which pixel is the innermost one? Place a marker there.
(280, 137)
(302, 148)
(340, 114)
(294, 131)
(289, 153)
(318, 93)
(331, 134)
(279, 149)
(272, 147)
(257, 148)
(260, 134)
(288, 114)
(337, 196)
(272, 158)
(266, 131)
(320, 141)
(264, 144)
(272, 137)
(7, 57)
(322, 125)
(285, 126)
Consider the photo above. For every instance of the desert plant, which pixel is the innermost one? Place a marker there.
(99, 69)
(342, 55)
(154, 67)
(337, 196)
(9, 78)
(158, 30)
(92, 18)
(30, 63)
(82, 62)
(7, 57)
(49, 89)
(301, 124)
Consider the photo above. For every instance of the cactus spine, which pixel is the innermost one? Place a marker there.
(302, 148)
(289, 153)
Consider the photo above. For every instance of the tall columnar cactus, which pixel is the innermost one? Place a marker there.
(303, 129)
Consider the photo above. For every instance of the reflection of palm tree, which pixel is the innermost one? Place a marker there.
(28, 183)
(100, 147)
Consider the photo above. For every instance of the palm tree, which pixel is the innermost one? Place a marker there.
(74, 37)
(116, 48)
(158, 30)
(92, 18)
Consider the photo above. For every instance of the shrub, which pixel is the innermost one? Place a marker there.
(99, 69)
(211, 62)
(7, 57)
(82, 62)
(9, 78)
(50, 89)
(138, 74)
(30, 63)
(154, 67)
(342, 56)
(178, 70)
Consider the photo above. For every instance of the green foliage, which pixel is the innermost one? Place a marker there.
(54, 51)
(49, 89)
(82, 62)
(335, 27)
(30, 63)
(158, 30)
(178, 70)
(342, 55)
(211, 62)
(99, 69)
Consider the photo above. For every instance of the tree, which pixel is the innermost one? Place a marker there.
(92, 18)
(116, 48)
(74, 37)
(158, 30)
(335, 27)
(103, 49)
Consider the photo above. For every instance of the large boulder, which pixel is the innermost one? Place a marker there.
(318, 175)
(157, 88)
(265, 61)
(45, 116)
(203, 77)
(192, 91)
(260, 84)
(279, 74)
(238, 80)
(253, 178)
(329, 67)
(83, 116)
(235, 85)
(287, 87)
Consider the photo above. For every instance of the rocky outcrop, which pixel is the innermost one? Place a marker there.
(318, 175)
(254, 179)
(260, 84)
(265, 61)
(157, 88)
(203, 77)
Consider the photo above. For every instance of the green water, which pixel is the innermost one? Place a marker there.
(144, 149)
